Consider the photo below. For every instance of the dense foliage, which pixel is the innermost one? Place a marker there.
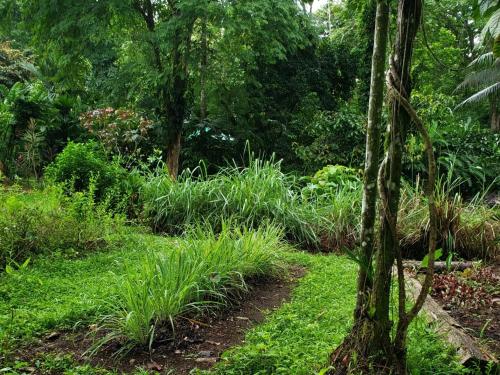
(183, 145)
(49, 222)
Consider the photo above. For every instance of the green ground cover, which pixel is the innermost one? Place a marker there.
(57, 292)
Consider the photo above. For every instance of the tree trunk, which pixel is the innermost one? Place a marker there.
(203, 71)
(369, 348)
(408, 21)
(494, 115)
(176, 103)
(365, 274)
(173, 155)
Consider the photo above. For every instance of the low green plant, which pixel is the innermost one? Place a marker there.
(249, 196)
(201, 273)
(83, 164)
(47, 221)
(331, 179)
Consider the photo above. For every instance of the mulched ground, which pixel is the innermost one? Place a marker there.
(472, 298)
(199, 343)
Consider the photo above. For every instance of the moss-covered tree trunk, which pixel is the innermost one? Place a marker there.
(370, 348)
(365, 274)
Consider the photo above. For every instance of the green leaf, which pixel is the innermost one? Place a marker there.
(496, 47)
(25, 263)
(9, 270)
(323, 371)
(448, 260)
(437, 255)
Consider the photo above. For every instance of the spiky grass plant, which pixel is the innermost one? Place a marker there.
(249, 196)
(469, 229)
(205, 271)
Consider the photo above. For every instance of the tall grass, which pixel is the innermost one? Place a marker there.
(327, 221)
(469, 229)
(248, 196)
(206, 270)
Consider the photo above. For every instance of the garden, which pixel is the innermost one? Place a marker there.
(254, 187)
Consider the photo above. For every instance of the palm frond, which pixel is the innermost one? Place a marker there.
(484, 60)
(492, 27)
(481, 78)
(481, 95)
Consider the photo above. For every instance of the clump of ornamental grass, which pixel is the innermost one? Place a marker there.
(467, 229)
(204, 272)
(250, 195)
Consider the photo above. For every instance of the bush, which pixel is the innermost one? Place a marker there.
(47, 221)
(203, 272)
(330, 137)
(121, 132)
(15, 65)
(463, 149)
(330, 180)
(83, 164)
(33, 121)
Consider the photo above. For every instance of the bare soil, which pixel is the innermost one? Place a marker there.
(476, 306)
(199, 342)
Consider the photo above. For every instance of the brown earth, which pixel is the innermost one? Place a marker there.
(482, 320)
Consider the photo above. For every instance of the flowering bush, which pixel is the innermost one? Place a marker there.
(120, 131)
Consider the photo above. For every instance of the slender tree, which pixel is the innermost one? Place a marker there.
(370, 347)
(372, 157)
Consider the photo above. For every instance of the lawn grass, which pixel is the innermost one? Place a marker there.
(55, 293)
(299, 337)
(58, 292)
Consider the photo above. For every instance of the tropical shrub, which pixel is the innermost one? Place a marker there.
(205, 270)
(48, 221)
(120, 131)
(330, 179)
(464, 150)
(81, 164)
(15, 65)
(35, 121)
(329, 137)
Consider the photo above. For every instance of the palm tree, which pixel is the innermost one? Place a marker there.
(484, 81)
(484, 76)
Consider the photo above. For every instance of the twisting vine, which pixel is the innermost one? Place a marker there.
(396, 92)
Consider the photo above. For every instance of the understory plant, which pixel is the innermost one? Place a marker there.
(48, 221)
(249, 196)
(81, 165)
(202, 272)
(466, 228)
